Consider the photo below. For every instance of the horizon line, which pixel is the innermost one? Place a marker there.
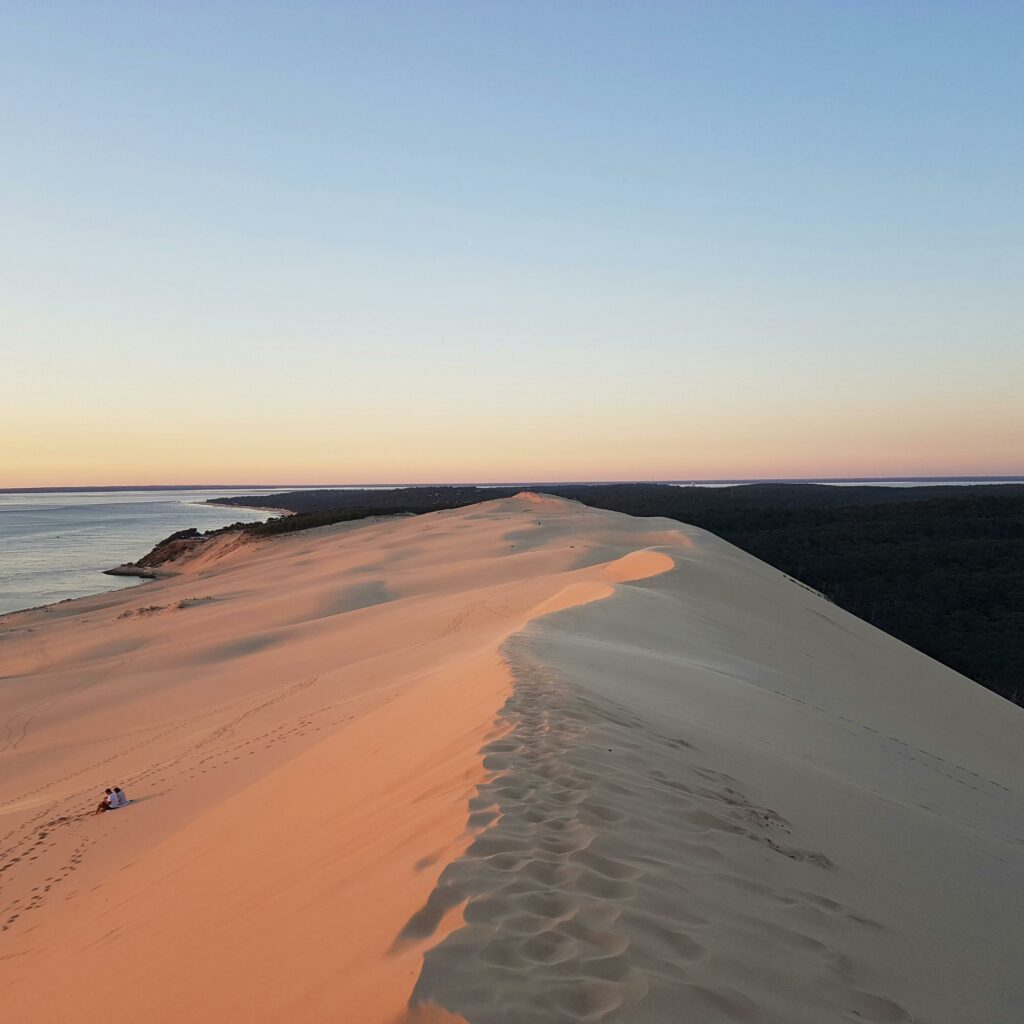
(70, 488)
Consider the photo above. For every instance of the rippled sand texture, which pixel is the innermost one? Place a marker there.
(521, 762)
(714, 797)
(621, 881)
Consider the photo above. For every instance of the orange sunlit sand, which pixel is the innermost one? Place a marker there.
(522, 761)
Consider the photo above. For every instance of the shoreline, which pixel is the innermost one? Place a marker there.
(52, 565)
(143, 573)
(255, 508)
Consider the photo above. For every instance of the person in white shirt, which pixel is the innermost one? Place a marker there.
(108, 803)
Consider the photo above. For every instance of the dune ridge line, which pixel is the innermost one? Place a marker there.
(513, 763)
(219, 693)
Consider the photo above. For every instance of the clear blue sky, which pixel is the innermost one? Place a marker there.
(429, 241)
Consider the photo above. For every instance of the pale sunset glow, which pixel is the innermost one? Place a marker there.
(418, 243)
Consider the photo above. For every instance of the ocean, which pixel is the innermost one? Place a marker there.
(55, 545)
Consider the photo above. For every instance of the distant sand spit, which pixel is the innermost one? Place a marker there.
(518, 762)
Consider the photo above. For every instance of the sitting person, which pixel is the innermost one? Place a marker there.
(108, 803)
(122, 800)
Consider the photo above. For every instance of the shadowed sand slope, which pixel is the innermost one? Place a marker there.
(716, 797)
(518, 762)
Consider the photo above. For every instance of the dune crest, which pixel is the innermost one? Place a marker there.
(514, 763)
(265, 708)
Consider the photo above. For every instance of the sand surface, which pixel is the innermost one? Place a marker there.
(520, 762)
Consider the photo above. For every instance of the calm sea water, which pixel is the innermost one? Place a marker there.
(55, 546)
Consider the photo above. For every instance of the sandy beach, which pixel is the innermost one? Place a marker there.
(514, 763)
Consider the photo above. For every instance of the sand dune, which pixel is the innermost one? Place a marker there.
(520, 762)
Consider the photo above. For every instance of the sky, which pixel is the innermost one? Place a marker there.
(482, 241)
